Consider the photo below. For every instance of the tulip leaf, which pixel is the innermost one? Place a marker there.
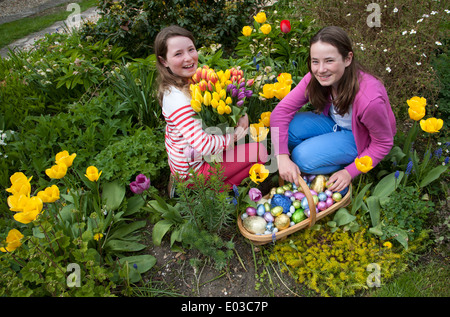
(143, 262)
(127, 229)
(343, 217)
(159, 230)
(433, 175)
(358, 202)
(134, 204)
(386, 186)
(113, 195)
(124, 246)
(373, 204)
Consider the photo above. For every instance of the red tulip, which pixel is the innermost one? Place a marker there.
(285, 26)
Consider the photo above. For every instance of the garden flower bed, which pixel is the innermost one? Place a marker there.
(85, 210)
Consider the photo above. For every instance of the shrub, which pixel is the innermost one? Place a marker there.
(134, 24)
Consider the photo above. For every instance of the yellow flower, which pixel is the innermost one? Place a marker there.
(364, 164)
(285, 79)
(258, 173)
(431, 125)
(12, 240)
(98, 236)
(196, 105)
(387, 244)
(214, 102)
(49, 195)
(258, 132)
(228, 101)
(260, 17)
(417, 102)
(227, 109)
(266, 28)
(17, 202)
(64, 157)
(20, 184)
(31, 210)
(268, 91)
(221, 107)
(280, 90)
(416, 112)
(92, 173)
(247, 31)
(207, 98)
(57, 171)
(265, 118)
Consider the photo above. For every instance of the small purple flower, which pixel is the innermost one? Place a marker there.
(236, 191)
(397, 174)
(241, 95)
(446, 160)
(248, 93)
(141, 184)
(255, 194)
(240, 103)
(229, 87)
(409, 167)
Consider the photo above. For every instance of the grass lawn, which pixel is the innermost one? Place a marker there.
(18, 29)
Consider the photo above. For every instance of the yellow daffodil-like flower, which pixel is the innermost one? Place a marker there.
(20, 184)
(49, 195)
(92, 173)
(387, 244)
(98, 236)
(265, 119)
(431, 125)
(12, 240)
(57, 171)
(64, 157)
(258, 173)
(258, 132)
(246, 30)
(364, 164)
(416, 112)
(417, 102)
(265, 28)
(285, 79)
(268, 91)
(260, 17)
(31, 210)
(17, 202)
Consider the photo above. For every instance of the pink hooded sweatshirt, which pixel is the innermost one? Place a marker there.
(373, 122)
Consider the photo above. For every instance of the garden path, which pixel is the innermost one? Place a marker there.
(11, 10)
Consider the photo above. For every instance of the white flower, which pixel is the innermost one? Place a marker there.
(404, 32)
(434, 12)
(412, 31)
(447, 11)
(425, 16)
(438, 43)
(418, 63)
(385, 50)
(420, 20)
(388, 69)
(395, 10)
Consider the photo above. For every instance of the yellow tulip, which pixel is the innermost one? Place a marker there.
(207, 98)
(265, 118)
(228, 101)
(64, 157)
(214, 103)
(20, 184)
(196, 105)
(12, 240)
(268, 91)
(417, 101)
(285, 79)
(247, 31)
(280, 90)
(31, 210)
(258, 132)
(49, 195)
(221, 107)
(364, 164)
(431, 125)
(258, 173)
(260, 17)
(216, 96)
(17, 202)
(266, 28)
(56, 171)
(223, 94)
(92, 173)
(416, 112)
(227, 109)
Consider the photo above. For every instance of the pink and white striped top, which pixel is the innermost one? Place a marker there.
(183, 130)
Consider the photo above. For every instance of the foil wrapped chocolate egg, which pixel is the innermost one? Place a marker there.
(268, 217)
(260, 210)
(318, 184)
(282, 222)
(276, 211)
(251, 211)
(255, 224)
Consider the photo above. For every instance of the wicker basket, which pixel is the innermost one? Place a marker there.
(261, 239)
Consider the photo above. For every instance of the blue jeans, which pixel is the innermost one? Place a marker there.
(318, 145)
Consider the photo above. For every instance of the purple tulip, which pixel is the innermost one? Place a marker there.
(240, 103)
(229, 87)
(141, 184)
(248, 93)
(234, 92)
(255, 194)
(241, 95)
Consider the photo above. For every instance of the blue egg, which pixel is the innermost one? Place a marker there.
(260, 210)
(322, 196)
(305, 204)
(270, 226)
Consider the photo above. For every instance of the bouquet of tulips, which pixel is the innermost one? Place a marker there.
(218, 98)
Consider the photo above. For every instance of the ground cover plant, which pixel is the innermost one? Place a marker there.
(85, 171)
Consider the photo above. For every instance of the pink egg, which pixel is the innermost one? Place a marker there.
(299, 195)
(329, 202)
(251, 211)
(321, 205)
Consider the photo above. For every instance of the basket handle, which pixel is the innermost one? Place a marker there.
(309, 198)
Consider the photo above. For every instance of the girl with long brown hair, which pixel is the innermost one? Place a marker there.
(352, 117)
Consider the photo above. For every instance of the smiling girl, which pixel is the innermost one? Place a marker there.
(187, 144)
(352, 117)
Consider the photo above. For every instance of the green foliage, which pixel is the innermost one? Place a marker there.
(142, 151)
(442, 66)
(134, 24)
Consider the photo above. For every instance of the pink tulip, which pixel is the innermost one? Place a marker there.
(141, 184)
(255, 194)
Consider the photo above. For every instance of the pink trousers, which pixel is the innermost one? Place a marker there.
(238, 161)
